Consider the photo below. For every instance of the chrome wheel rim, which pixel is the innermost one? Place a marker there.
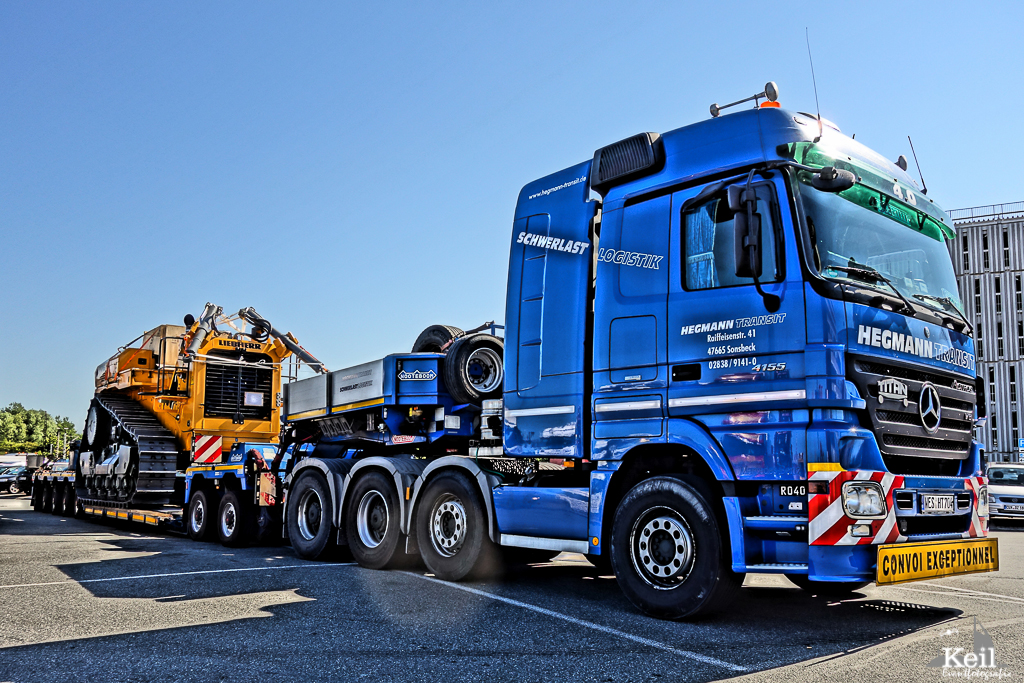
(310, 514)
(447, 525)
(661, 547)
(198, 515)
(228, 519)
(484, 370)
(372, 519)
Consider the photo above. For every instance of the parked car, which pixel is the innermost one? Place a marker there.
(1006, 491)
(24, 480)
(9, 479)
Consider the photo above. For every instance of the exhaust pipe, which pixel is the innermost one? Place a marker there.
(207, 323)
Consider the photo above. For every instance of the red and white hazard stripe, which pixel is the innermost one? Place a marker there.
(207, 449)
(827, 523)
(979, 525)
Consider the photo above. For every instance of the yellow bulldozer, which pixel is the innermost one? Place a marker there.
(179, 395)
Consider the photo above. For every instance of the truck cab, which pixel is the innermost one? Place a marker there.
(734, 347)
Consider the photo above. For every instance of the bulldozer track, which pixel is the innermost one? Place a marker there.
(157, 448)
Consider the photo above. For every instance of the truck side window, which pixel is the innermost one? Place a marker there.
(708, 245)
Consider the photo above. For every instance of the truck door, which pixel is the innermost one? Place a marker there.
(734, 366)
(630, 320)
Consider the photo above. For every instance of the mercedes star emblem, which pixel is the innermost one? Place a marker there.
(930, 408)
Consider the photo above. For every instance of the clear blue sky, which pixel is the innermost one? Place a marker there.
(351, 169)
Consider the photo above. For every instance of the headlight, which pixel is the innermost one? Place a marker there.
(983, 501)
(863, 500)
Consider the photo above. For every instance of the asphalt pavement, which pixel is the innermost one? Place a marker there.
(89, 601)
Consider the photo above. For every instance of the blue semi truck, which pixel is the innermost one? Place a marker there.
(734, 347)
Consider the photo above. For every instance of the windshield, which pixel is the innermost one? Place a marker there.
(877, 225)
(846, 234)
(1006, 476)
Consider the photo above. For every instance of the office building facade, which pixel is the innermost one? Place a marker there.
(988, 256)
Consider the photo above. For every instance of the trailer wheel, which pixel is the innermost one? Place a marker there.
(436, 339)
(667, 551)
(70, 501)
(451, 529)
(473, 369)
(826, 588)
(234, 521)
(309, 517)
(48, 497)
(37, 497)
(57, 505)
(200, 510)
(372, 522)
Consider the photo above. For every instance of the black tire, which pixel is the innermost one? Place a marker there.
(268, 527)
(826, 588)
(70, 501)
(37, 497)
(14, 488)
(473, 368)
(310, 511)
(199, 522)
(667, 551)
(57, 505)
(373, 522)
(235, 520)
(451, 530)
(436, 339)
(48, 498)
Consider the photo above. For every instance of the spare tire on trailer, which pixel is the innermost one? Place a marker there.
(473, 368)
(436, 339)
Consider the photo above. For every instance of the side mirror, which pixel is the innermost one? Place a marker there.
(747, 233)
(738, 196)
(832, 179)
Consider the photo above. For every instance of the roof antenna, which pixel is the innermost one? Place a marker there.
(924, 188)
(807, 36)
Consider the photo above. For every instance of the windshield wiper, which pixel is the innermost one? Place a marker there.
(870, 273)
(948, 302)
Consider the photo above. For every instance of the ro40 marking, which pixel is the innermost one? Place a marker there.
(769, 367)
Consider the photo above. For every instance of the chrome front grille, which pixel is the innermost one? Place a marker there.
(907, 446)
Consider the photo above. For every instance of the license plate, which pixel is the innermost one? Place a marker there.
(937, 505)
(1013, 508)
(902, 562)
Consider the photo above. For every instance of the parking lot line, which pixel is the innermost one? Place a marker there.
(311, 565)
(586, 624)
(965, 592)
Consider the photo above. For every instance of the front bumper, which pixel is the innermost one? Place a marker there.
(835, 554)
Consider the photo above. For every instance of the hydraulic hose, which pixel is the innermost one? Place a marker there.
(256, 320)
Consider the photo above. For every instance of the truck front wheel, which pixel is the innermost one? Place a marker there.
(451, 529)
(667, 552)
(309, 517)
(372, 522)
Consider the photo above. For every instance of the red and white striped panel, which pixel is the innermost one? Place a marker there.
(979, 525)
(207, 450)
(827, 523)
